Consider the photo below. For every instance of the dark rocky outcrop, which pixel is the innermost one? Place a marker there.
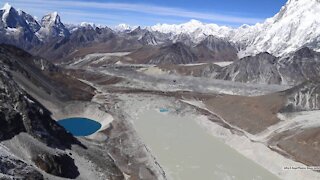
(58, 165)
(293, 69)
(300, 66)
(20, 113)
(148, 39)
(213, 49)
(177, 53)
(11, 168)
(52, 27)
(261, 68)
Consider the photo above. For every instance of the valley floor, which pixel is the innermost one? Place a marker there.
(231, 112)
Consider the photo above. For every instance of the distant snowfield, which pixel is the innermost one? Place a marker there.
(224, 63)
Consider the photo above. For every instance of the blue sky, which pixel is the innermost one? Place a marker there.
(149, 12)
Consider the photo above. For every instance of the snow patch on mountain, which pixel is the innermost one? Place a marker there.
(6, 7)
(5, 12)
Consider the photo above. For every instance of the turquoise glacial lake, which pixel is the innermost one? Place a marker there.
(80, 126)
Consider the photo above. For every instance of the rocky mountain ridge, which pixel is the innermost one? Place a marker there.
(295, 26)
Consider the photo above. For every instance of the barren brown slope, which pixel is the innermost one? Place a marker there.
(113, 45)
(176, 53)
(28, 70)
(213, 49)
(252, 114)
(202, 70)
(303, 147)
(144, 54)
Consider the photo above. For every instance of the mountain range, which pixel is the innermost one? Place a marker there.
(294, 27)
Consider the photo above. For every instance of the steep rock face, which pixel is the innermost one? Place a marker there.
(302, 65)
(52, 27)
(17, 28)
(137, 31)
(33, 24)
(21, 113)
(58, 165)
(148, 39)
(177, 53)
(255, 69)
(295, 26)
(11, 18)
(293, 69)
(183, 38)
(216, 49)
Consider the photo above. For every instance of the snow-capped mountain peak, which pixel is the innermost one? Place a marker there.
(51, 26)
(87, 24)
(124, 27)
(50, 19)
(194, 22)
(194, 28)
(296, 25)
(30, 20)
(10, 18)
(6, 7)
(6, 10)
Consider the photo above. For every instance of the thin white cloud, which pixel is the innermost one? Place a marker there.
(138, 8)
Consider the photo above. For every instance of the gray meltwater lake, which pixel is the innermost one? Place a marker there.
(187, 152)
